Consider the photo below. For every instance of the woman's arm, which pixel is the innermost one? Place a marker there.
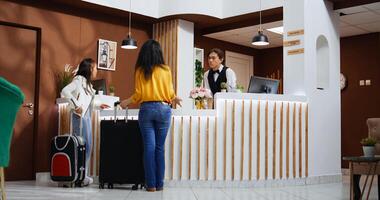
(136, 97)
(174, 100)
(67, 92)
(126, 102)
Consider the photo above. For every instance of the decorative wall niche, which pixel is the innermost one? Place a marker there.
(323, 63)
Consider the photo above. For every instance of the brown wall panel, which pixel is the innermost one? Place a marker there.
(67, 37)
(268, 61)
(359, 61)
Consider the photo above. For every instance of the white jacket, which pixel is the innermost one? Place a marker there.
(79, 94)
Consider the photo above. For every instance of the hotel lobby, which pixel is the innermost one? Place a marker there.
(299, 135)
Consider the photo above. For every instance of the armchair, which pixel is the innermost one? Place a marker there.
(11, 98)
(374, 131)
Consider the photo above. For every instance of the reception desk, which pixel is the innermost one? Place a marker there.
(247, 137)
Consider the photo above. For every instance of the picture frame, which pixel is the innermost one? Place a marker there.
(107, 54)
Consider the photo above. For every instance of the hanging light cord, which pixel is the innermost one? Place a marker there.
(130, 7)
(260, 18)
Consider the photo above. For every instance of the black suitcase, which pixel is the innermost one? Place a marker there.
(121, 153)
(68, 159)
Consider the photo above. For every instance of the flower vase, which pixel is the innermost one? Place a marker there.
(204, 104)
(198, 104)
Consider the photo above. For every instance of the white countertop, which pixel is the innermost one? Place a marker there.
(258, 96)
(176, 112)
(106, 99)
(206, 112)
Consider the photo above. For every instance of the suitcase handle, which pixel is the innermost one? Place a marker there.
(115, 111)
(64, 146)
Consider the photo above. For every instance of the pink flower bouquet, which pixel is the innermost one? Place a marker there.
(200, 93)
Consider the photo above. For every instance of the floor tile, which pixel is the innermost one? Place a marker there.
(336, 191)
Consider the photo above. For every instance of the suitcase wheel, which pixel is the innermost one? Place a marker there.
(101, 185)
(110, 186)
(135, 187)
(78, 184)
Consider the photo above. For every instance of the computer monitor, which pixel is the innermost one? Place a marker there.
(100, 84)
(263, 85)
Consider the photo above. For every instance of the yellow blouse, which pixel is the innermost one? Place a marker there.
(158, 88)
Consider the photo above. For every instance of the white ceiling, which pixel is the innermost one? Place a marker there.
(360, 20)
(356, 21)
(243, 36)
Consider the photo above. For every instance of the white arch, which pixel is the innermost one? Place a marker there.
(323, 63)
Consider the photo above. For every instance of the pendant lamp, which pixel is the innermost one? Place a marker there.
(129, 42)
(260, 39)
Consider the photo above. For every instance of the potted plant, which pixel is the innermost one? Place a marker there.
(223, 86)
(64, 78)
(198, 73)
(239, 88)
(112, 90)
(369, 146)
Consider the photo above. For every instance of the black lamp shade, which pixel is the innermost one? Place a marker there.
(129, 43)
(260, 39)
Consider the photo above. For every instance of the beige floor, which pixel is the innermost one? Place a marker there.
(29, 190)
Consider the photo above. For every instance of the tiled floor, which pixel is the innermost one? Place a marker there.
(28, 190)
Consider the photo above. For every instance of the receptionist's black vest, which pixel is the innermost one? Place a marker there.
(215, 85)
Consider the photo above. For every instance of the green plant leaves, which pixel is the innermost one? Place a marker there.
(198, 73)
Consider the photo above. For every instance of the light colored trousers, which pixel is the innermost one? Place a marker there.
(86, 132)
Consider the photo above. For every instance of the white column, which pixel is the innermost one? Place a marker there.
(318, 20)
(185, 69)
(294, 72)
(325, 148)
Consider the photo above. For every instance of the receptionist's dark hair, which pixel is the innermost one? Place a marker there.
(219, 52)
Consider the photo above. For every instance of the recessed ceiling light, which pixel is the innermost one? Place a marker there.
(278, 30)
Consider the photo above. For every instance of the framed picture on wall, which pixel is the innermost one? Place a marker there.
(107, 54)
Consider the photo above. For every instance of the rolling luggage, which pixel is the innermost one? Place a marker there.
(68, 160)
(121, 153)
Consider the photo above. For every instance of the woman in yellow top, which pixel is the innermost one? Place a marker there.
(154, 91)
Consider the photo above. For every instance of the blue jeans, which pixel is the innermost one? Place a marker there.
(154, 122)
(86, 132)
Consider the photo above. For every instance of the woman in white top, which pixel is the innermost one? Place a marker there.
(81, 95)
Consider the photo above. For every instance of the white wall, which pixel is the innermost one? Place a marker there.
(300, 76)
(239, 7)
(144, 7)
(325, 146)
(215, 8)
(174, 7)
(185, 66)
(294, 64)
